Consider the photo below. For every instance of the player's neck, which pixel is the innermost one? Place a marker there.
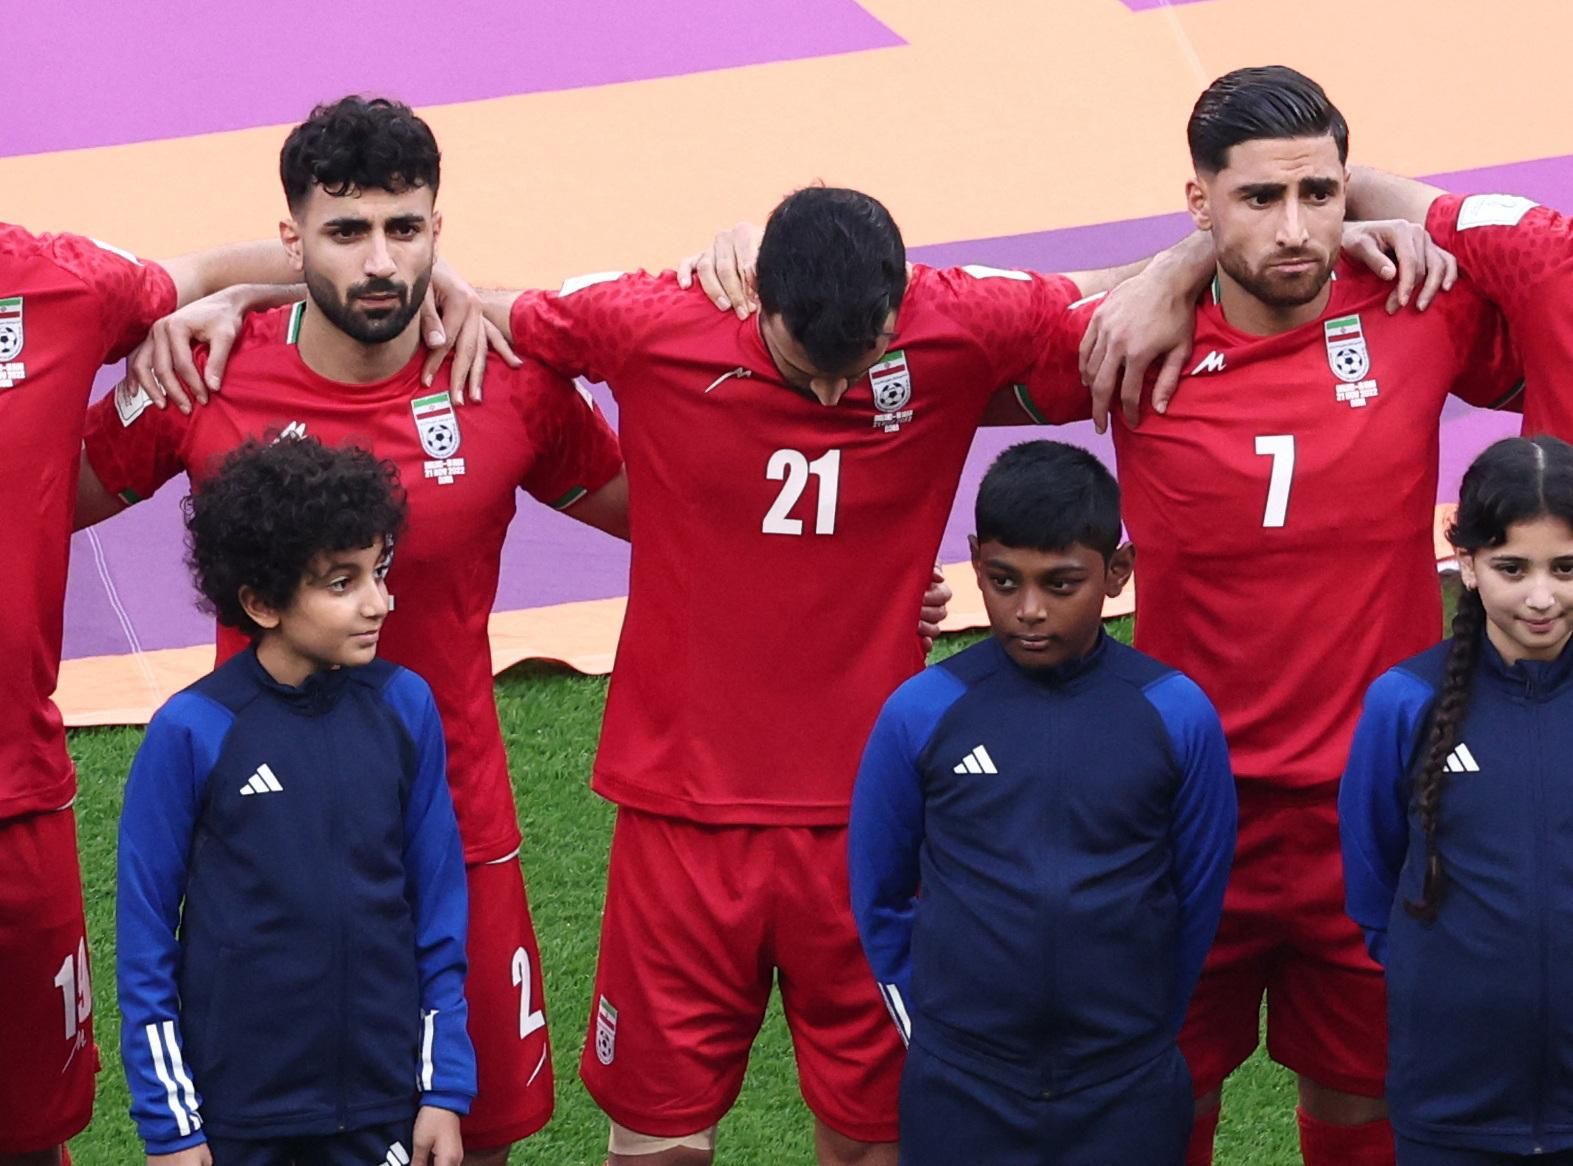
(1252, 316)
(334, 354)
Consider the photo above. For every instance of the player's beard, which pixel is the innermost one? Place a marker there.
(1276, 291)
(353, 321)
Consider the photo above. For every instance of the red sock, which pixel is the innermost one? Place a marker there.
(1199, 1151)
(1324, 1144)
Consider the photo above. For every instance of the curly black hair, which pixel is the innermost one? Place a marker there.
(359, 143)
(272, 507)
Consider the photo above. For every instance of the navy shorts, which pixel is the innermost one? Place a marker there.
(1412, 1153)
(949, 1115)
(379, 1145)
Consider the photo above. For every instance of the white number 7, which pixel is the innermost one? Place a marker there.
(1279, 447)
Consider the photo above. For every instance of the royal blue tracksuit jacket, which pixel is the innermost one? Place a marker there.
(1480, 1002)
(1071, 832)
(291, 910)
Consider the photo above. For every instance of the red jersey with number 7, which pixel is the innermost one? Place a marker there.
(460, 469)
(1282, 509)
(781, 547)
(67, 305)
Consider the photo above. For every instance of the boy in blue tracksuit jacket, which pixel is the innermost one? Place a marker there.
(1456, 814)
(1041, 833)
(291, 899)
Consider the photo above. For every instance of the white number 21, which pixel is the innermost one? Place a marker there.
(1279, 447)
(792, 469)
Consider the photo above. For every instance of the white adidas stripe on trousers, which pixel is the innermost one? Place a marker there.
(179, 1091)
(897, 1008)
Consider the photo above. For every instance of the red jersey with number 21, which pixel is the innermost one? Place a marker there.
(781, 547)
(1282, 509)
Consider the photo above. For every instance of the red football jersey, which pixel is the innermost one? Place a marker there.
(67, 306)
(1282, 509)
(1521, 256)
(780, 547)
(460, 470)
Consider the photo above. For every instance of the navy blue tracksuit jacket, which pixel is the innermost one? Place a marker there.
(1071, 832)
(1480, 1001)
(291, 910)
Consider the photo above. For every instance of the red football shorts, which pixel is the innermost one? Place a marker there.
(1284, 934)
(699, 921)
(47, 1055)
(513, 1057)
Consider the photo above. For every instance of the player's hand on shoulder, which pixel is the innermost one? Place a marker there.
(1404, 252)
(437, 1141)
(1150, 318)
(453, 320)
(162, 367)
(726, 271)
(198, 1155)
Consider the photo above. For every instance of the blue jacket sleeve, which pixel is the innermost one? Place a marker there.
(439, 901)
(886, 833)
(157, 824)
(1373, 815)
(1202, 834)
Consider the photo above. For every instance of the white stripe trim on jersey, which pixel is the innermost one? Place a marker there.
(897, 1008)
(1461, 760)
(539, 1065)
(178, 1064)
(509, 857)
(423, 1079)
(182, 1120)
(266, 774)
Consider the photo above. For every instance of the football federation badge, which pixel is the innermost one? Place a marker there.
(891, 384)
(437, 425)
(1349, 359)
(605, 1032)
(11, 339)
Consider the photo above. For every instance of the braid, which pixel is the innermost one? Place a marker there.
(1441, 736)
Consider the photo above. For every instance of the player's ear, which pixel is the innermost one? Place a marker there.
(1121, 563)
(262, 614)
(436, 225)
(289, 235)
(1196, 203)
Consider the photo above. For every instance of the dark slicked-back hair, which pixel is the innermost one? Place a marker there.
(359, 143)
(1268, 101)
(833, 266)
(1517, 479)
(1049, 496)
(274, 507)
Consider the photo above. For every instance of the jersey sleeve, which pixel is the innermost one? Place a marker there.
(1205, 816)
(1050, 391)
(1508, 245)
(134, 448)
(438, 896)
(157, 824)
(591, 325)
(1487, 371)
(1373, 819)
(576, 452)
(886, 832)
(130, 293)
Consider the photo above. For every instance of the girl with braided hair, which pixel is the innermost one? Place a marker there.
(1456, 813)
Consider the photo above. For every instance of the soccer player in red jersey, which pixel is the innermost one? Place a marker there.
(1283, 507)
(1519, 254)
(344, 365)
(67, 305)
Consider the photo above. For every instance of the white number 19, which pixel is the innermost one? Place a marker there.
(1279, 447)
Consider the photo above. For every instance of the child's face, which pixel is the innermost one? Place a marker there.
(1526, 587)
(1046, 606)
(334, 619)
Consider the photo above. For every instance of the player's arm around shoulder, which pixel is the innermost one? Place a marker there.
(1373, 798)
(439, 898)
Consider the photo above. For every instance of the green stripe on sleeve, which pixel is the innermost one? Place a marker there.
(569, 498)
(1024, 399)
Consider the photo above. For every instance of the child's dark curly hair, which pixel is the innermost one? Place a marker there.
(272, 508)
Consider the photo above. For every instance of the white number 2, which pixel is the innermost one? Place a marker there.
(75, 990)
(1279, 447)
(792, 469)
(529, 1019)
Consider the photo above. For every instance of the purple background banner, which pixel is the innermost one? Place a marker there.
(141, 72)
